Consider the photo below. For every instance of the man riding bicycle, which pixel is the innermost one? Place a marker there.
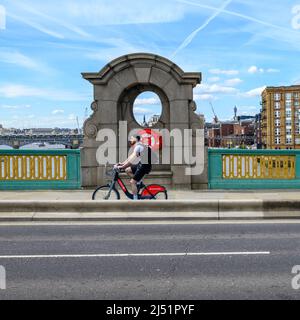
(137, 165)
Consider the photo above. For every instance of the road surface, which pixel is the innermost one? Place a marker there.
(150, 261)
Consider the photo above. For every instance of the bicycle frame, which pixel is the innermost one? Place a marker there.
(129, 195)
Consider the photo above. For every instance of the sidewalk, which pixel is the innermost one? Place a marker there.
(85, 195)
(59, 206)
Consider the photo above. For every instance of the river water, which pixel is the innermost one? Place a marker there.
(36, 146)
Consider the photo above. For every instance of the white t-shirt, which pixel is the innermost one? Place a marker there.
(138, 151)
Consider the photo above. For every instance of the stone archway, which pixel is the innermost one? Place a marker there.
(116, 87)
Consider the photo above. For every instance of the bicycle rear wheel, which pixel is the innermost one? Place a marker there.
(154, 192)
(161, 196)
(101, 193)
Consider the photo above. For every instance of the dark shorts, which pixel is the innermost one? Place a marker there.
(140, 170)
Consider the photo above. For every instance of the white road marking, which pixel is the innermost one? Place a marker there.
(125, 255)
(147, 223)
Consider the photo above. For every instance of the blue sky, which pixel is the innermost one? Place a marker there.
(240, 46)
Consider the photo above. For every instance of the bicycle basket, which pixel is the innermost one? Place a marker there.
(109, 172)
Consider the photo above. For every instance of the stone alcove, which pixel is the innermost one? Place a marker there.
(117, 86)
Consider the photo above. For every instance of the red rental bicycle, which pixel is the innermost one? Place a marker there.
(110, 191)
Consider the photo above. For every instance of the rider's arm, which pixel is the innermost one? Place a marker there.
(129, 161)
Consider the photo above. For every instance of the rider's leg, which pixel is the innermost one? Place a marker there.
(134, 189)
(137, 178)
(129, 172)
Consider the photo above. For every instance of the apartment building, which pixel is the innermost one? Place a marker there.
(280, 117)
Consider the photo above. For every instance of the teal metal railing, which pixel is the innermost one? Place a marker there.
(39, 169)
(253, 169)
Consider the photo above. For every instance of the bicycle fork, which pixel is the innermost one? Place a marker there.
(110, 190)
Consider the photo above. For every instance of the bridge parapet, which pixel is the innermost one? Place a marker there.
(253, 169)
(39, 169)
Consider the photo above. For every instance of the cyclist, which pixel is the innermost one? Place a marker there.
(137, 165)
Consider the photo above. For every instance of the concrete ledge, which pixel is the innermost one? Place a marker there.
(109, 206)
(239, 209)
(107, 210)
(148, 210)
(281, 208)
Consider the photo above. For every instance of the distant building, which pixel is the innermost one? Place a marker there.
(213, 135)
(237, 133)
(281, 117)
(4, 131)
(39, 131)
(153, 120)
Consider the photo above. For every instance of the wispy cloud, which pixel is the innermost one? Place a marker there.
(297, 82)
(14, 57)
(72, 15)
(255, 69)
(58, 111)
(213, 79)
(35, 121)
(142, 111)
(15, 107)
(17, 90)
(95, 32)
(147, 101)
(233, 82)
(2, 18)
(27, 13)
(191, 37)
(204, 97)
(36, 26)
(224, 72)
(254, 92)
(11, 56)
(214, 89)
(243, 16)
(107, 54)
(249, 110)
(56, 21)
(109, 12)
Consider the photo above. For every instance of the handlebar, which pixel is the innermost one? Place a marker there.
(118, 170)
(112, 171)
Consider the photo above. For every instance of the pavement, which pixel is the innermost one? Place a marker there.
(182, 205)
(83, 195)
(150, 261)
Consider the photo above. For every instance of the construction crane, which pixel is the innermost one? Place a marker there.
(216, 119)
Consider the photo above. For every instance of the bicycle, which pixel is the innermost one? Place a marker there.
(110, 191)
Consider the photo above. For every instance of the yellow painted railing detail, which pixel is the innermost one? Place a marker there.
(33, 167)
(258, 167)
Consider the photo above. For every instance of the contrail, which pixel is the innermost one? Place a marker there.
(240, 15)
(190, 38)
(36, 26)
(64, 24)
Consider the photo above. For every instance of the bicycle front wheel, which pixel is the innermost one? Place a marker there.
(102, 193)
